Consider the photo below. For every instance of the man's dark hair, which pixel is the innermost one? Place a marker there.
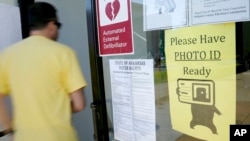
(40, 13)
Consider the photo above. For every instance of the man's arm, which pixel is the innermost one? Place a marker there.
(78, 102)
(5, 119)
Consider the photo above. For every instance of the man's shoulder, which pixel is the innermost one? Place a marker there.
(51, 44)
(63, 48)
(7, 49)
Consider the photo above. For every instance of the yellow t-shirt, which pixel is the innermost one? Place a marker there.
(39, 74)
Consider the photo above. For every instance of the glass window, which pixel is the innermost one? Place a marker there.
(150, 45)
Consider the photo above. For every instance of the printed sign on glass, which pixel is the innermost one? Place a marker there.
(167, 14)
(164, 14)
(218, 11)
(114, 27)
(201, 75)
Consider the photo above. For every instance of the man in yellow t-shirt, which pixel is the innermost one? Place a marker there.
(44, 81)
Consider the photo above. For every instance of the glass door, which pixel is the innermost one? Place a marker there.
(149, 45)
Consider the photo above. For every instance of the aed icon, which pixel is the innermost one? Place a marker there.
(239, 132)
(113, 11)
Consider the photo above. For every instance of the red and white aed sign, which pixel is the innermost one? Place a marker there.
(115, 33)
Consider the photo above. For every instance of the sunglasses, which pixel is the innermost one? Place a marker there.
(58, 24)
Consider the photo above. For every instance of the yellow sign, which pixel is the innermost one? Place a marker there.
(202, 80)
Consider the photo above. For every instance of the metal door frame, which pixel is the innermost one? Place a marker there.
(98, 105)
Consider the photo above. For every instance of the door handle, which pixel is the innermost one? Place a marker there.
(96, 118)
(101, 132)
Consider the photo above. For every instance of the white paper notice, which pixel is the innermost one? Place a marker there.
(163, 14)
(133, 99)
(10, 25)
(166, 14)
(216, 11)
